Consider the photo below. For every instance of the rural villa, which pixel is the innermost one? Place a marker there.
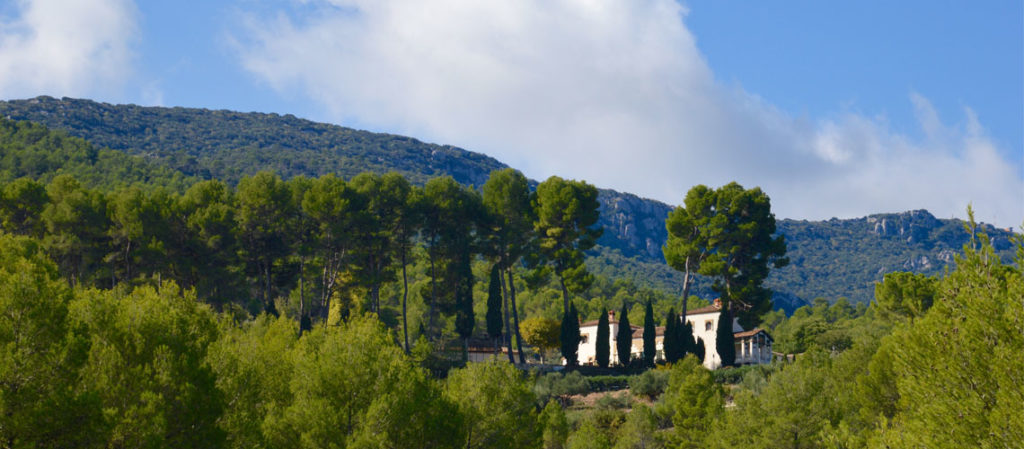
(752, 347)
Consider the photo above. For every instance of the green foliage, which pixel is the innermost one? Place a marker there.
(846, 258)
(603, 344)
(264, 206)
(76, 225)
(728, 234)
(540, 332)
(353, 381)
(230, 145)
(494, 322)
(569, 336)
(566, 214)
(791, 411)
(21, 203)
(506, 198)
(496, 400)
(558, 385)
(624, 337)
(554, 426)
(39, 360)
(695, 401)
(649, 384)
(701, 349)
(588, 436)
(649, 336)
(737, 374)
(725, 342)
(32, 151)
(174, 147)
(608, 382)
(903, 295)
(672, 344)
(147, 365)
(831, 327)
(958, 367)
(377, 228)
(254, 366)
(614, 401)
(640, 431)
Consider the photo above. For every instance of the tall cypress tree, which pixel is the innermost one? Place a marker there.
(624, 337)
(575, 322)
(603, 344)
(700, 349)
(688, 344)
(725, 343)
(650, 347)
(494, 323)
(570, 336)
(671, 343)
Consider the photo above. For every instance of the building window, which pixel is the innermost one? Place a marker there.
(583, 338)
(708, 325)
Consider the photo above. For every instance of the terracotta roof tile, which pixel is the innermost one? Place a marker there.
(750, 333)
(595, 322)
(638, 332)
(705, 309)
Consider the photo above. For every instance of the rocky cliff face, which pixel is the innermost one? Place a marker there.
(635, 226)
(913, 226)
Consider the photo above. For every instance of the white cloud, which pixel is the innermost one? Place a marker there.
(74, 48)
(615, 92)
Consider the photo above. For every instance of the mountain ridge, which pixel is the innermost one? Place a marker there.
(830, 258)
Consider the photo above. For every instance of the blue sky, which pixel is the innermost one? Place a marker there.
(834, 108)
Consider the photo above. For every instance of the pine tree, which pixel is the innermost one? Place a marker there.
(700, 349)
(725, 343)
(603, 344)
(671, 343)
(624, 337)
(494, 323)
(650, 346)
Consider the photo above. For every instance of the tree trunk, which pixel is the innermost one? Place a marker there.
(375, 294)
(565, 294)
(515, 316)
(266, 280)
(507, 337)
(687, 280)
(302, 291)
(405, 296)
(433, 296)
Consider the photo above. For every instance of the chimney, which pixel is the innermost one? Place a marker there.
(611, 316)
(718, 303)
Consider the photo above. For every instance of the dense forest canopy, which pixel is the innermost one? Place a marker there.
(152, 365)
(829, 259)
(145, 308)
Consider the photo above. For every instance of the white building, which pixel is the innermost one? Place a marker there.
(752, 347)
(587, 354)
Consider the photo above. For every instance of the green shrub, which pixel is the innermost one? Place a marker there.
(614, 401)
(608, 383)
(560, 385)
(735, 375)
(650, 383)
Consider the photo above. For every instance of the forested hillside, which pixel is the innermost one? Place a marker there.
(830, 259)
(146, 308)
